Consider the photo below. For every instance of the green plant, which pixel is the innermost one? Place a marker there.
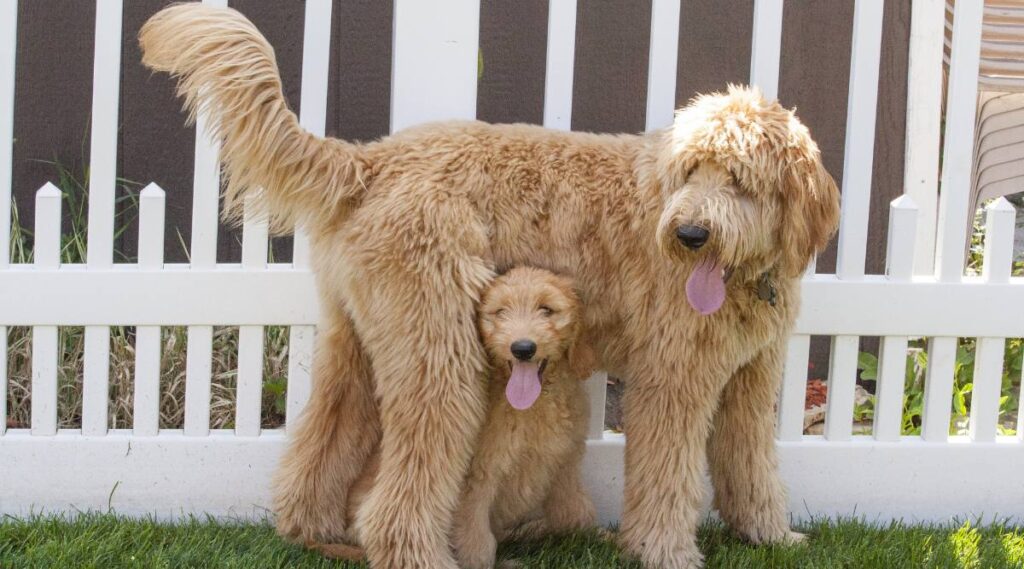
(963, 382)
(963, 385)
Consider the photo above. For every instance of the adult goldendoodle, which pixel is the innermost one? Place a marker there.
(687, 245)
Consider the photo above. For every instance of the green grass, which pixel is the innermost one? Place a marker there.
(108, 541)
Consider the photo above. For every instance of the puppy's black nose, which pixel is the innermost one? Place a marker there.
(692, 236)
(523, 350)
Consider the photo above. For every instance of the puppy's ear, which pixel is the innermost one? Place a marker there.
(810, 210)
(582, 360)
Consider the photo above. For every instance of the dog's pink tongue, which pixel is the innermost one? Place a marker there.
(705, 289)
(523, 387)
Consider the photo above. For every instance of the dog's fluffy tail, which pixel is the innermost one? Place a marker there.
(226, 70)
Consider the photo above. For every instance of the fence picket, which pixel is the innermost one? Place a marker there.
(842, 375)
(103, 145)
(988, 360)
(95, 372)
(958, 155)
(661, 69)
(202, 255)
(102, 184)
(8, 45)
(938, 389)
(892, 354)
(853, 222)
(1020, 405)
(434, 62)
(924, 117)
(988, 377)
(560, 64)
(860, 138)
(766, 47)
(45, 354)
(300, 358)
(793, 391)
(313, 117)
(3, 380)
(250, 338)
(198, 375)
(250, 381)
(316, 57)
(597, 390)
(147, 338)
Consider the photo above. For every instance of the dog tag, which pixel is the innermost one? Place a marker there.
(766, 290)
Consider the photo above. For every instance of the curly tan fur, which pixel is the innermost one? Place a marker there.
(407, 231)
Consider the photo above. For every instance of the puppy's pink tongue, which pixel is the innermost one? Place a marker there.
(705, 289)
(523, 387)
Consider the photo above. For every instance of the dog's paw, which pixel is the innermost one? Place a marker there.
(794, 538)
(475, 550)
(663, 554)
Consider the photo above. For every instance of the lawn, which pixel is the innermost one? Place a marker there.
(109, 541)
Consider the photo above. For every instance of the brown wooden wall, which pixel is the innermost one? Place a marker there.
(54, 75)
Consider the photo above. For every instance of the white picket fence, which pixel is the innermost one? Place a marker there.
(226, 472)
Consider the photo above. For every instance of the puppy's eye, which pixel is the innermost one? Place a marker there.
(546, 310)
(500, 313)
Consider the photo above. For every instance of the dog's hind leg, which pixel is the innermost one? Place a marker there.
(333, 437)
(749, 494)
(416, 314)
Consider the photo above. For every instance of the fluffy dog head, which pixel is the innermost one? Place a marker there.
(530, 324)
(744, 192)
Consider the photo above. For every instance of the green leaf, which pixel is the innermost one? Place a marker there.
(275, 386)
(868, 364)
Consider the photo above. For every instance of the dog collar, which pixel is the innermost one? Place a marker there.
(766, 289)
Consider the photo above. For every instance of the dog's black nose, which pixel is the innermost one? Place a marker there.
(692, 236)
(523, 350)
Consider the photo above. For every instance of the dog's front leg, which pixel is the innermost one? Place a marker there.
(668, 418)
(749, 494)
(472, 533)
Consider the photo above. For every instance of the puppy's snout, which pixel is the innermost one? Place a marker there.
(692, 236)
(523, 350)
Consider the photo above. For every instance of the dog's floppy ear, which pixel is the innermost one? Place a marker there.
(582, 360)
(810, 210)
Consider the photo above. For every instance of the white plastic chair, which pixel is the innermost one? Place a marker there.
(999, 144)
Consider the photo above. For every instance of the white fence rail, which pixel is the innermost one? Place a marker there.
(146, 469)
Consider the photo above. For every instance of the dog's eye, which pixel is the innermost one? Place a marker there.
(500, 313)
(546, 310)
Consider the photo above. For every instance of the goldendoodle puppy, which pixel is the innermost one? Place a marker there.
(524, 476)
(526, 468)
(687, 245)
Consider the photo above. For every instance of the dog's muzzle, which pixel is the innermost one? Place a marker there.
(692, 237)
